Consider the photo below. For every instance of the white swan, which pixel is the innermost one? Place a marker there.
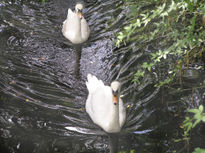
(104, 105)
(75, 28)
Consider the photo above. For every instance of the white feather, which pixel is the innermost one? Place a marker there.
(100, 107)
(75, 29)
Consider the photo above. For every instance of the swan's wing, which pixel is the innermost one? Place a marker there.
(64, 29)
(70, 12)
(93, 83)
(71, 27)
(73, 21)
(98, 106)
(98, 101)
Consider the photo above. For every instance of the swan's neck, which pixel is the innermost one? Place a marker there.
(115, 116)
(79, 28)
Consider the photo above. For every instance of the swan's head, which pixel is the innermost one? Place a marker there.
(79, 9)
(115, 86)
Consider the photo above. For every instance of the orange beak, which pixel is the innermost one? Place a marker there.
(80, 15)
(115, 100)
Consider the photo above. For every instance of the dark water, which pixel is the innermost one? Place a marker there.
(43, 92)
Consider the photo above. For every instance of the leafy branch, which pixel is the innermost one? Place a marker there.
(190, 123)
(174, 26)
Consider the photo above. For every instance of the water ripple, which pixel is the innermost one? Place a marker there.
(37, 64)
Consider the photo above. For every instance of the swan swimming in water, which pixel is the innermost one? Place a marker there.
(104, 105)
(75, 27)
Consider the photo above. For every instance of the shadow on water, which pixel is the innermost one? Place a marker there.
(42, 83)
(78, 50)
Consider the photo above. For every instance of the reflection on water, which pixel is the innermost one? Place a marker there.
(42, 83)
(113, 142)
(78, 51)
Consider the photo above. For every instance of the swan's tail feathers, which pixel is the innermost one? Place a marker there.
(93, 83)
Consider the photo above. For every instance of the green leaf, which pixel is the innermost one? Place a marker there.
(188, 128)
(132, 151)
(127, 28)
(201, 108)
(196, 122)
(172, 7)
(194, 111)
(199, 150)
(164, 14)
(203, 118)
(197, 116)
(188, 124)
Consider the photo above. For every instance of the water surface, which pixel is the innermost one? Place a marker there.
(42, 100)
